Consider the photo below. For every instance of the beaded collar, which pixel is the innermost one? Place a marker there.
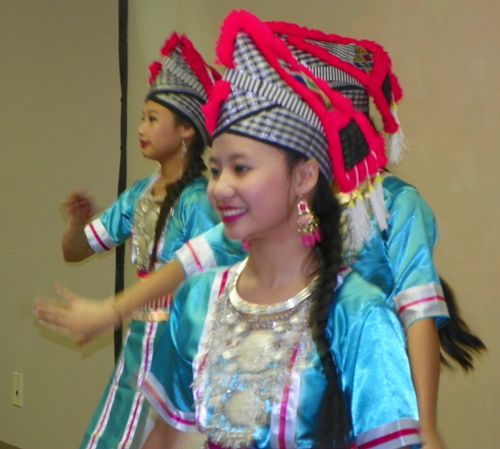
(250, 308)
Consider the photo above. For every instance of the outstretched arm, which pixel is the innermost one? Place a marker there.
(84, 319)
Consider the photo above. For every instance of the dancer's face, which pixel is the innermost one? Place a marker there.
(252, 188)
(160, 135)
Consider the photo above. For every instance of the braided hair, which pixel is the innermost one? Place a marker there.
(458, 342)
(334, 418)
(195, 168)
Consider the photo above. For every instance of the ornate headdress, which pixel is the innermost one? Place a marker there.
(270, 95)
(181, 81)
(359, 69)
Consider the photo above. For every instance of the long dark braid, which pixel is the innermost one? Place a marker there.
(195, 169)
(457, 340)
(334, 418)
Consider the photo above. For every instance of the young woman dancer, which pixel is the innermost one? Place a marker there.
(414, 288)
(158, 214)
(275, 351)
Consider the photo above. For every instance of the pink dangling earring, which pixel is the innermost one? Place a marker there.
(308, 225)
(245, 244)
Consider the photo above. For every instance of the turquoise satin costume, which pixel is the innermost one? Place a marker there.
(398, 260)
(121, 415)
(368, 345)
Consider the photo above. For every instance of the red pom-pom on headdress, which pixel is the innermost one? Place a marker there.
(200, 68)
(217, 95)
(206, 75)
(154, 70)
(171, 43)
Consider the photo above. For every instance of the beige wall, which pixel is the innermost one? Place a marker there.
(444, 54)
(59, 109)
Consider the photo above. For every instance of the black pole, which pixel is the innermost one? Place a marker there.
(122, 175)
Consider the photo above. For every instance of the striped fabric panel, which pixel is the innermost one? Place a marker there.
(283, 97)
(181, 69)
(284, 129)
(423, 301)
(196, 256)
(97, 236)
(252, 61)
(397, 434)
(345, 52)
(334, 75)
(189, 105)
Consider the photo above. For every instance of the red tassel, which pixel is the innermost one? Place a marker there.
(154, 70)
(170, 44)
(217, 95)
(200, 68)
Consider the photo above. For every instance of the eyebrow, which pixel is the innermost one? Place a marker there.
(231, 158)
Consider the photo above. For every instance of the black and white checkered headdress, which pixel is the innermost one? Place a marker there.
(359, 69)
(267, 94)
(181, 81)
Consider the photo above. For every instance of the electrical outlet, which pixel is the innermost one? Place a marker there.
(17, 389)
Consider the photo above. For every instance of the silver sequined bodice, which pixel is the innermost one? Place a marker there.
(145, 218)
(247, 363)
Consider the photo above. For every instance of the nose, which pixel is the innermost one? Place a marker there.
(220, 188)
(140, 128)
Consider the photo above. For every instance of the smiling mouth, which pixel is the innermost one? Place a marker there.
(230, 215)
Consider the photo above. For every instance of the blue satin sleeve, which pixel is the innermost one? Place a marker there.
(400, 259)
(411, 237)
(209, 250)
(369, 347)
(192, 216)
(118, 218)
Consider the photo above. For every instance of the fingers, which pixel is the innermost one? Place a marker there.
(52, 312)
(56, 328)
(65, 294)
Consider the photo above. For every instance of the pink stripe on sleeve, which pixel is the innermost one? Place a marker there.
(195, 257)
(421, 301)
(96, 235)
(387, 438)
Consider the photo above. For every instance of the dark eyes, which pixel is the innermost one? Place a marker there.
(214, 172)
(238, 169)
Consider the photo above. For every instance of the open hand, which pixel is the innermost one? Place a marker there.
(76, 317)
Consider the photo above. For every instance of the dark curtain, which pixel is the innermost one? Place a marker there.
(122, 176)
